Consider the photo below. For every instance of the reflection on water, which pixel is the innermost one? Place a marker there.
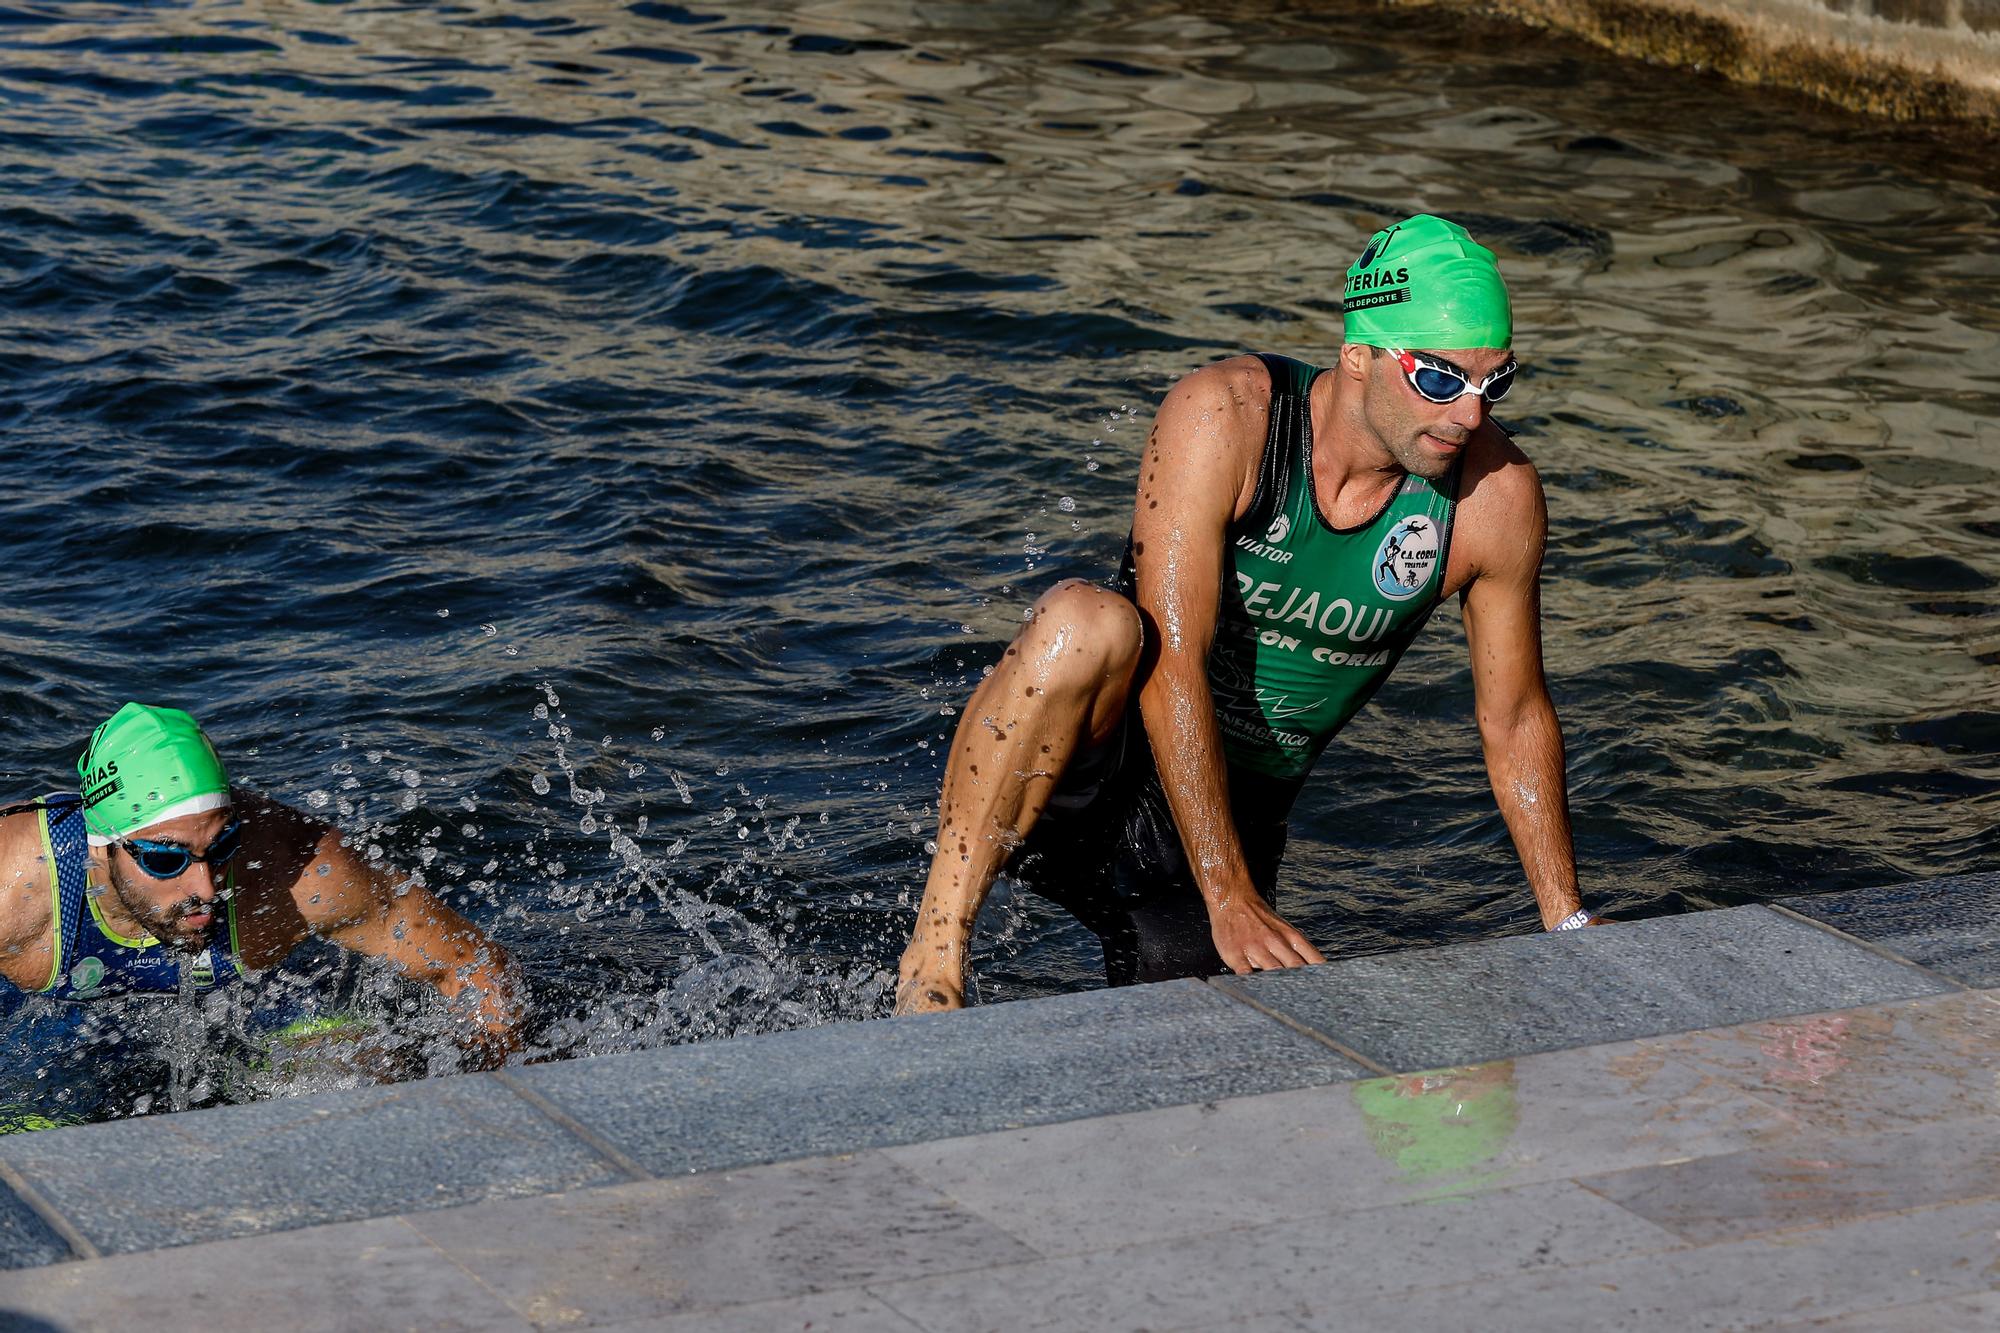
(1444, 1132)
(592, 449)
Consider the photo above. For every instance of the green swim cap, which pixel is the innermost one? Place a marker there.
(1425, 283)
(144, 766)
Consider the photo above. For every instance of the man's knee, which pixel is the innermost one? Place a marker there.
(1086, 632)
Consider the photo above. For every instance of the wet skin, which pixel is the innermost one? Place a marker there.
(1064, 682)
(294, 879)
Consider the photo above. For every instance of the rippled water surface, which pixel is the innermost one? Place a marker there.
(590, 447)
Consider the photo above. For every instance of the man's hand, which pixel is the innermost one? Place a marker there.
(930, 978)
(927, 995)
(1253, 938)
(487, 1047)
(490, 1011)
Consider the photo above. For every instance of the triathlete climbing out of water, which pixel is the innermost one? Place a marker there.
(159, 875)
(1135, 753)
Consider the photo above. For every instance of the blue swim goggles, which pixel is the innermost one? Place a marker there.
(170, 860)
(1439, 381)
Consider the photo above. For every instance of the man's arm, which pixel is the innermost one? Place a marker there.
(26, 917)
(1517, 721)
(376, 910)
(1192, 480)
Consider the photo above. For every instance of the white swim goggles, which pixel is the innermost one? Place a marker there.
(1439, 381)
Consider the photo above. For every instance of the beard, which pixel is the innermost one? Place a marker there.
(1401, 433)
(163, 923)
(1419, 459)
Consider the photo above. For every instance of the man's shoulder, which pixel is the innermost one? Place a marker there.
(1499, 483)
(1228, 400)
(25, 905)
(279, 841)
(1237, 383)
(1502, 517)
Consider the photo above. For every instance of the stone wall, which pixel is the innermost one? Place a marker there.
(1921, 60)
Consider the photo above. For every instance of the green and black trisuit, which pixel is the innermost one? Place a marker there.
(1313, 619)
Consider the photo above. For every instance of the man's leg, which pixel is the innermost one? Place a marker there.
(1062, 683)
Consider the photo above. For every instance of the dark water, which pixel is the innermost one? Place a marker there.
(589, 449)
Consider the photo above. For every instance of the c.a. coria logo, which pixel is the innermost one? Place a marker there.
(1281, 528)
(201, 968)
(87, 975)
(1406, 557)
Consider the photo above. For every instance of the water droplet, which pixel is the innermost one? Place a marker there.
(540, 782)
(588, 824)
(469, 830)
(443, 612)
(317, 799)
(541, 712)
(659, 733)
(1067, 505)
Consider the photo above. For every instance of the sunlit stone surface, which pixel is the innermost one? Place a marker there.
(1177, 1156)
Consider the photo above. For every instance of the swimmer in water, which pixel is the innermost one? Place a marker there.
(1136, 751)
(160, 875)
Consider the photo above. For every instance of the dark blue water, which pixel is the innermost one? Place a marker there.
(588, 449)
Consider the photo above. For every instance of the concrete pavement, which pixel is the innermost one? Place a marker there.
(1739, 1119)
